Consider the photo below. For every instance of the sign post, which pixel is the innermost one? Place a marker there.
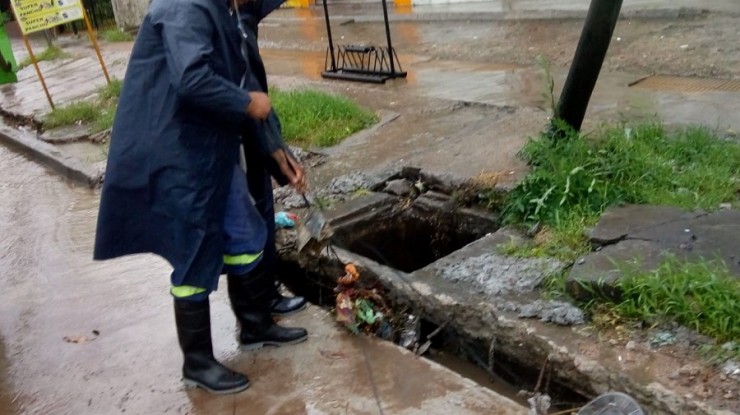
(36, 15)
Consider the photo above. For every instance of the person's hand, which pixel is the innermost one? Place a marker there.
(291, 169)
(260, 105)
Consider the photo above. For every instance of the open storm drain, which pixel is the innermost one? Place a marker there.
(408, 240)
(683, 84)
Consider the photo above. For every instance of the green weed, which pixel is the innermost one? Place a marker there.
(313, 118)
(98, 114)
(49, 54)
(76, 112)
(721, 353)
(703, 296)
(574, 179)
(116, 35)
(110, 91)
(548, 93)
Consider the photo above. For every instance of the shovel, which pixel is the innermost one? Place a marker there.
(313, 232)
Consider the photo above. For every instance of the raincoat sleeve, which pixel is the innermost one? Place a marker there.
(268, 6)
(187, 33)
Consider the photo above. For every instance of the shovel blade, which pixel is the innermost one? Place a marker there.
(314, 232)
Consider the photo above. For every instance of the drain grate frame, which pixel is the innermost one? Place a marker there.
(686, 84)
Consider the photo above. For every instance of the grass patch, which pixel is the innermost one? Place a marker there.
(49, 54)
(573, 180)
(703, 296)
(98, 114)
(316, 119)
(110, 91)
(116, 35)
(76, 112)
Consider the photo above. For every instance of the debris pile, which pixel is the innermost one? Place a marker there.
(359, 309)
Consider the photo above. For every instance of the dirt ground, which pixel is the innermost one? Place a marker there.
(703, 45)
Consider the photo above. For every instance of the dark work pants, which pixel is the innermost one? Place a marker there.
(260, 187)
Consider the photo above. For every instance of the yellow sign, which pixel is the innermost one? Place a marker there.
(35, 15)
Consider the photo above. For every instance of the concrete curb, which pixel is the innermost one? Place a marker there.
(75, 169)
(51, 156)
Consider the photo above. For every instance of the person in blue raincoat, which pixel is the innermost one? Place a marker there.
(262, 168)
(173, 185)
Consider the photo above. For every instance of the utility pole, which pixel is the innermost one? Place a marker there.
(589, 57)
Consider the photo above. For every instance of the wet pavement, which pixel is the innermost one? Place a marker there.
(461, 116)
(78, 337)
(492, 9)
(68, 80)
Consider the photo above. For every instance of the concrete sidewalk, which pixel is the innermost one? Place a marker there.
(78, 337)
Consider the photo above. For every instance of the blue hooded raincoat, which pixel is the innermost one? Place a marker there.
(175, 140)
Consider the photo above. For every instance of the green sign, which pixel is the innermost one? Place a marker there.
(7, 59)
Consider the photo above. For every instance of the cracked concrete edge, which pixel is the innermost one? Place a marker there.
(53, 157)
(522, 340)
(482, 320)
(386, 117)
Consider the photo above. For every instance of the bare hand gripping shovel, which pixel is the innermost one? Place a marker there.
(314, 231)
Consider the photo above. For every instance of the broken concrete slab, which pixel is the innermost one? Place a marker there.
(65, 134)
(362, 208)
(599, 272)
(400, 187)
(703, 236)
(645, 236)
(616, 223)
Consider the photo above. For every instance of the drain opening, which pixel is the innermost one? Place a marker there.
(411, 239)
(684, 84)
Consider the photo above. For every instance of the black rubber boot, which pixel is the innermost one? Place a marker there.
(282, 306)
(251, 297)
(201, 369)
